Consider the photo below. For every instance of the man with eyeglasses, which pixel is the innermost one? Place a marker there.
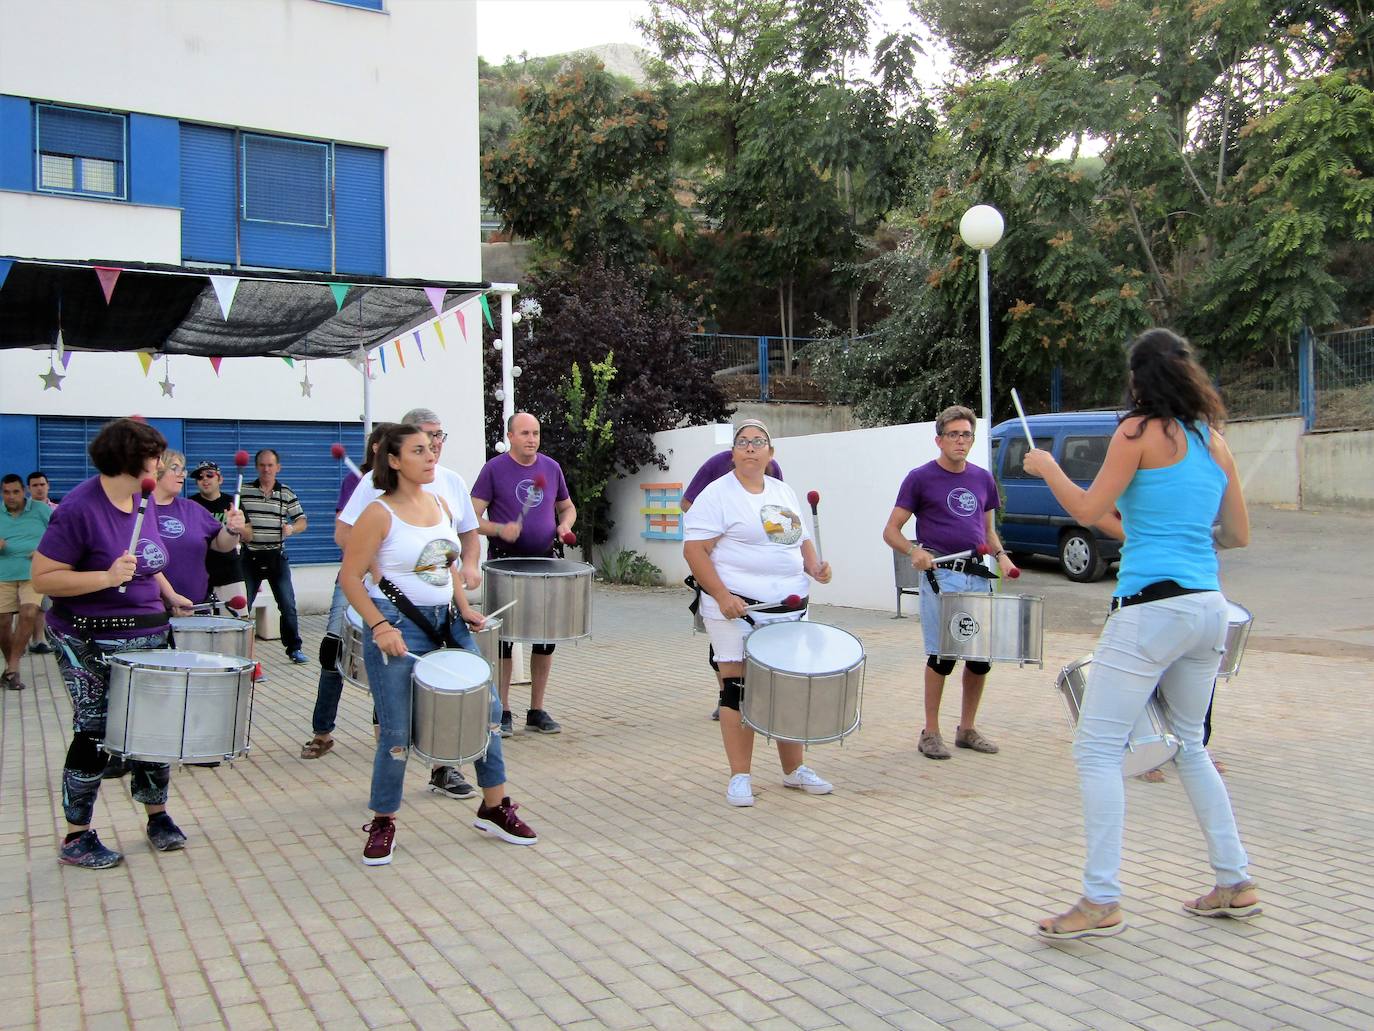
(954, 504)
(275, 514)
(453, 489)
(225, 568)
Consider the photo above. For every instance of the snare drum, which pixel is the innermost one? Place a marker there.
(802, 681)
(1238, 620)
(992, 627)
(450, 715)
(350, 660)
(554, 595)
(489, 641)
(1151, 743)
(216, 635)
(166, 705)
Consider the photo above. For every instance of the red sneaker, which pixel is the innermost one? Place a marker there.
(381, 839)
(502, 822)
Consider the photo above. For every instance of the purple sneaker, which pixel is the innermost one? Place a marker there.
(501, 821)
(87, 851)
(381, 841)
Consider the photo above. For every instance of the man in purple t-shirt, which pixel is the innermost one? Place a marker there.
(953, 503)
(523, 506)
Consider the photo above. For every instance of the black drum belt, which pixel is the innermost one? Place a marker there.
(84, 625)
(1157, 591)
(778, 608)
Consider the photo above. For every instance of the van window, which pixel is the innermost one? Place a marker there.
(1016, 456)
(996, 453)
(1083, 456)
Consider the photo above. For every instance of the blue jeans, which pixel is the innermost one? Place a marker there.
(1177, 644)
(950, 582)
(391, 696)
(273, 567)
(330, 687)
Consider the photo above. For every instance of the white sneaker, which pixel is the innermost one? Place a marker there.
(740, 791)
(805, 779)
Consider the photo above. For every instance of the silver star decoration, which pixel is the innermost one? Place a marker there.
(52, 379)
(167, 384)
(306, 385)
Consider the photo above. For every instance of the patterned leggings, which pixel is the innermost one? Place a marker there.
(85, 667)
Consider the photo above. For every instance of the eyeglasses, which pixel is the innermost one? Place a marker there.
(209, 475)
(175, 469)
(752, 443)
(957, 434)
(438, 437)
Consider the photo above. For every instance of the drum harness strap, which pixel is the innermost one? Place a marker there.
(1157, 591)
(85, 626)
(971, 566)
(441, 639)
(691, 582)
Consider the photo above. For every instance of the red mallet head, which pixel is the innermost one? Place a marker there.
(982, 549)
(257, 671)
(792, 601)
(147, 485)
(137, 418)
(813, 498)
(540, 482)
(337, 450)
(569, 538)
(240, 458)
(1014, 573)
(238, 601)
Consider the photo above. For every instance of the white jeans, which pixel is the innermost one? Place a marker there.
(1176, 644)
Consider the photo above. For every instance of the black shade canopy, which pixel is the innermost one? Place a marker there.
(175, 310)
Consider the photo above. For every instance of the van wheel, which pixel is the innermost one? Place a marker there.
(1080, 557)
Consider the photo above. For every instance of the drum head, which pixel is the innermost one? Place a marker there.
(209, 623)
(799, 646)
(1236, 613)
(355, 620)
(538, 567)
(179, 661)
(451, 669)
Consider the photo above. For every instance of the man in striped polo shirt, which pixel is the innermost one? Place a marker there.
(275, 513)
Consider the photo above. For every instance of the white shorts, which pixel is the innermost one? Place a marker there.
(727, 635)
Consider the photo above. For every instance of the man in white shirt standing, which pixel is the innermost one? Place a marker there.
(453, 489)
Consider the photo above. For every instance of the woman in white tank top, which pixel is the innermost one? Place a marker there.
(408, 536)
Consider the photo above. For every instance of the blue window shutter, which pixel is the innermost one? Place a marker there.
(16, 143)
(285, 181)
(91, 134)
(360, 210)
(208, 192)
(154, 160)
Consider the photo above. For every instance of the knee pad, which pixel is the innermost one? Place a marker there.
(542, 649)
(504, 648)
(329, 651)
(944, 667)
(731, 692)
(84, 754)
(980, 669)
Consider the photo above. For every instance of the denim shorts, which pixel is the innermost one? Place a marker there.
(950, 582)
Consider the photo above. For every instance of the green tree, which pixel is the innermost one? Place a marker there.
(593, 434)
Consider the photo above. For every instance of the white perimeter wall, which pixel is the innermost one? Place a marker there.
(404, 80)
(857, 474)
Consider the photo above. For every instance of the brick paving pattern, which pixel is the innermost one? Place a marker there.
(904, 900)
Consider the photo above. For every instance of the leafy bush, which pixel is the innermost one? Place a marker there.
(630, 567)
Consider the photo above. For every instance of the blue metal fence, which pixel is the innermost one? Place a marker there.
(760, 367)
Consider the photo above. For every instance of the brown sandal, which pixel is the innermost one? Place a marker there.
(315, 748)
(1220, 901)
(1095, 914)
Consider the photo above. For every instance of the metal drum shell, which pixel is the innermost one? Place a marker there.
(489, 641)
(450, 724)
(1238, 623)
(1151, 743)
(350, 660)
(213, 635)
(169, 705)
(992, 627)
(553, 596)
(812, 706)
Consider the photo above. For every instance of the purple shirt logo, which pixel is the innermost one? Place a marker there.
(962, 502)
(171, 526)
(151, 555)
(528, 494)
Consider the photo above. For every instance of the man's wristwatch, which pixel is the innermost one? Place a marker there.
(999, 552)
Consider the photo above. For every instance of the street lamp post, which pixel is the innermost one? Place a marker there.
(981, 228)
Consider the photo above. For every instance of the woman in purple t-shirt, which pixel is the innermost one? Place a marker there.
(81, 563)
(189, 530)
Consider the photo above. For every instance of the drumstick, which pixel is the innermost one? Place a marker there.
(538, 485)
(1021, 414)
(496, 612)
(813, 498)
(792, 602)
(240, 460)
(338, 451)
(981, 550)
(145, 487)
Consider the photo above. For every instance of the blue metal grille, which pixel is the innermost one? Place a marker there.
(285, 181)
(81, 151)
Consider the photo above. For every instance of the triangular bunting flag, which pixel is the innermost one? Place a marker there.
(289, 360)
(486, 310)
(420, 347)
(146, 360)
(5, 265)
(462, 323)
(381, 353)
(400, 355)
(340, 291)
(108, 277)
(66, 359)
(225, 288)
(214, 363)
(436, 298)
(439, 332)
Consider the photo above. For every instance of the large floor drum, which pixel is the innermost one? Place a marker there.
(167, 705)
(803, 681)
(1238, 623)
(350, 661)
(216, 635)
(450, 716)
(554, 597)
(992, 627)
(1152, 742)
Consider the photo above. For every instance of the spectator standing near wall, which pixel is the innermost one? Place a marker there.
(21, 528)
(275, 514)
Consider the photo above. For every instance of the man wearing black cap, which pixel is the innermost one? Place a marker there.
(225, 567)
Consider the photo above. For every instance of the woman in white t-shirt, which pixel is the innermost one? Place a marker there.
(408, 536)
(746, 544)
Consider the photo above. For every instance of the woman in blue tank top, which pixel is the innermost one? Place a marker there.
(1171, 476)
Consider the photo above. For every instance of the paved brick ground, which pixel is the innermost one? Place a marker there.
(906, 899)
